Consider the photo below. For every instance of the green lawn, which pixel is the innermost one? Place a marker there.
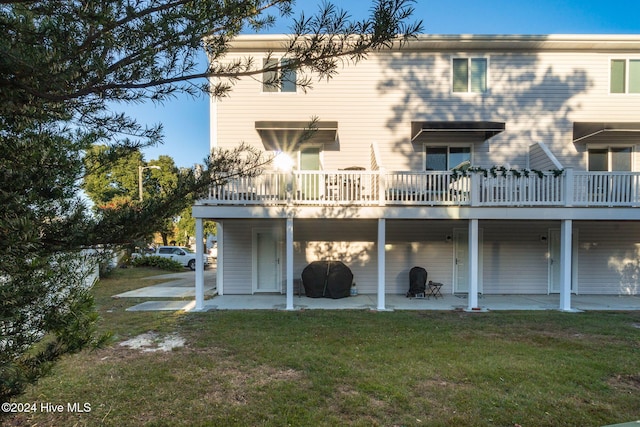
(361, 368)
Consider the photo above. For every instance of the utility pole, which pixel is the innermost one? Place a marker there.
(140, 169)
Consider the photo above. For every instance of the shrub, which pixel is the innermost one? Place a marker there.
(158, 262)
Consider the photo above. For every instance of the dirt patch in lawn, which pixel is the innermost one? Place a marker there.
(152, 342)
(630, 383)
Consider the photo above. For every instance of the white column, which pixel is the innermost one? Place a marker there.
(220, 259)
(289, 262)
(381, 262)
(199, 264)
(566, 230)
(474, 269)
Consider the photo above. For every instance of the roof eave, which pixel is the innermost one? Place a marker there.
(467, 42)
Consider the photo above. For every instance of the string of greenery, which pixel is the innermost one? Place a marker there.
(503, 171)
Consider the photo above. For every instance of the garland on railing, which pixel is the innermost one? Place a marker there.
(494, 171)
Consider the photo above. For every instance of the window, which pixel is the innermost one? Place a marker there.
(625, 76)
(470, 75)
(280, 80)
(310, 159)
(610, 159)
(446, 158)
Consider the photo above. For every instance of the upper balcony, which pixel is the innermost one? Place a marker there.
(414, 188)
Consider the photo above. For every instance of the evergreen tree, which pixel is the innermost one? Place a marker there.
(65, 65)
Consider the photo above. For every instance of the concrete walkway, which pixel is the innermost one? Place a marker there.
(178, 285)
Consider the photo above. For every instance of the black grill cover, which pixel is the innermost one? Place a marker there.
(329, 279)
(417, 281)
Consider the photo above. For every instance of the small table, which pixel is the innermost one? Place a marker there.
(434, 290)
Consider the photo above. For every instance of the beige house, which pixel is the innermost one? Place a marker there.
(500, 164)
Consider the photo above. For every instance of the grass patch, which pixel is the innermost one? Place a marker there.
(359, 368)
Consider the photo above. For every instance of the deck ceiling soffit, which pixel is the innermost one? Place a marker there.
(483, 130)
(582, 131)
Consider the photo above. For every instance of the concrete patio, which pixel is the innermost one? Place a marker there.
(446, 303)
(178, 293)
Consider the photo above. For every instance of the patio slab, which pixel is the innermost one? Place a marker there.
(177, 285)
(164, 291)
(164, 306)
(181, 285)
(448, 302)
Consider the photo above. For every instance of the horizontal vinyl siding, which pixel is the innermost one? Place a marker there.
(516, 257)
(534, 94)
(515, 253)
(237, 258)
(538, 95)
(351, 241)
(539, 160)
(609, 258)
(238, 254)
(347, 100)
(423, 244)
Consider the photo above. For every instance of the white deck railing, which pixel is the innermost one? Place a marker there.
(532, 190)
(427, 188)
(379, 188)
(606, 188)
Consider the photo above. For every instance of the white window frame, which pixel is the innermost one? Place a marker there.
(627, 75)
(448, 146)
(608, 147)
(469, 58)
(279, 89)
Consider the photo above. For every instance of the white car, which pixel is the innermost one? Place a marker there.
(184, 256)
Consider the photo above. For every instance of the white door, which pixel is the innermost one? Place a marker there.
(461, 260)
(310, 184)
(266, 260)
(554, 261)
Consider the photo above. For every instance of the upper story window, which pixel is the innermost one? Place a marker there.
(278, 81)
(470, 74)
(625, 76)
(610, 159)
(446, 158)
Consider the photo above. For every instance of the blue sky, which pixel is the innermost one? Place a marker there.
(186, 120)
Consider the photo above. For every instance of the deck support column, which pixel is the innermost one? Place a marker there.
(199, 264)
(381, 263)
(289, 262)
(220, 258)
(566, 231)
(474, 269)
